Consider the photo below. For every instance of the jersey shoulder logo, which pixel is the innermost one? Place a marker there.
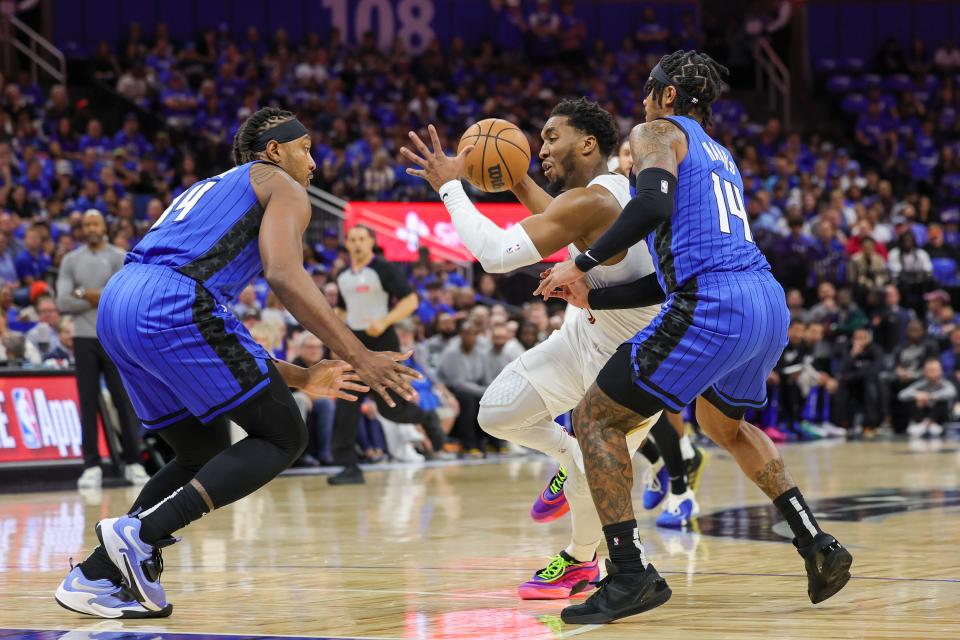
(664, 187)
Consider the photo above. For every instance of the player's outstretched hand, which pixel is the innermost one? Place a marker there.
(384, 373)
(556, 277)
(438, 167)
(575, 293)
(334, 378)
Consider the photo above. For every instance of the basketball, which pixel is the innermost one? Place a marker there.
(500, 156)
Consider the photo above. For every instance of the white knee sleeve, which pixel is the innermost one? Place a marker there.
(510, 404)
(512, 409)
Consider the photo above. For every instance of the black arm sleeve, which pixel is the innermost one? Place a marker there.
(640, 293)
(652, 206)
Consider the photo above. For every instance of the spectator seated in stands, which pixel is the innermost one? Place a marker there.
(907, 368)
(317, 412)
(929, 401)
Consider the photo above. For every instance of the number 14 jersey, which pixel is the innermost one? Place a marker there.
(708, 232)
(209, 233)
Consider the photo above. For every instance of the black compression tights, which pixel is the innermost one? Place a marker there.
(277, 437)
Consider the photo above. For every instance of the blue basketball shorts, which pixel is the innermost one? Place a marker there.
(720, 334)
(179, 352)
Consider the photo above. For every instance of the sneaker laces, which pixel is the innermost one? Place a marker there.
(154, 566)
(558, 565)
(558, 480)
(651, 480)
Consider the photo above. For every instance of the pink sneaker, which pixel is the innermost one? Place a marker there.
(551, 503)
(562, 578)
(779, 437)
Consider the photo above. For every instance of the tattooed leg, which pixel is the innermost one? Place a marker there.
(751, 448)
(601, 425)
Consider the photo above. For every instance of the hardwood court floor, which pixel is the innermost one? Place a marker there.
(438, 552)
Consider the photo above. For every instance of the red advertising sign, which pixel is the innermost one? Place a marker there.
(403, 227)
(40, 419)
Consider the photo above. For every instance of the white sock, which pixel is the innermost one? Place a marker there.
(686, 449)
(586, 530)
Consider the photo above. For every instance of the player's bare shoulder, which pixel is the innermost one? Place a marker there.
(267, 178)
(657, 144)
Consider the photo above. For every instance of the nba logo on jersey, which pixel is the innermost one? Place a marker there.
(27, 418)
(664, 188)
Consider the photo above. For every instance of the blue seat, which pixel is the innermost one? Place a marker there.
(945, 271)
(897, 82)
(840, 84)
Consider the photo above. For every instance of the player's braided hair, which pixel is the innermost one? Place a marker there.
(589, 117)
(698, 75)
(252, 127)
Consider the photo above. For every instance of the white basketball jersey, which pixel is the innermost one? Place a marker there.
(614, 326)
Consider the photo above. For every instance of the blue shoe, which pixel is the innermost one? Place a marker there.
(140, 563)
(678, 511)
(102, 598)
(655, 487)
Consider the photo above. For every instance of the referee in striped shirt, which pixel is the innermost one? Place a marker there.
(367, 287)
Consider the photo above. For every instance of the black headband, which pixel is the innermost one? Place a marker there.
(661, 76)
(283, 132)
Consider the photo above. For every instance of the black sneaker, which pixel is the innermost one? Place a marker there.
(828, 566)
(620, 595)
(694, 468)
(350, 475)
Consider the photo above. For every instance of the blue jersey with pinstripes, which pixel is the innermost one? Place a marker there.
(708, 232)
(210, 234)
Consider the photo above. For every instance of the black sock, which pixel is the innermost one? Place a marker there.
(668, 442)
(98, 566)
(650, 451)
(623, 544)
(794, 508)
(181, 508)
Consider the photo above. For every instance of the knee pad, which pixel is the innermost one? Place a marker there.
(510, 403)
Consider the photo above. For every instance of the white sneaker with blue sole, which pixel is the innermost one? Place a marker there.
(678, 510)
(102, 598)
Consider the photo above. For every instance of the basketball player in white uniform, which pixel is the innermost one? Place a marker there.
(550, 379)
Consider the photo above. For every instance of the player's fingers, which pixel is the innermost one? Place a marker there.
(351, 376)
(351, 386)
(420, 173)
(466, 151)
(407, 372)
(402, 369)
(383, 393)
(343, 395)
(435, 140)
(419, 144)
(558, 293)
(544, 274)
(412, 157)
(545, 285)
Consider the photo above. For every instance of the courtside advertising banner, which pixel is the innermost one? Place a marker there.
(402, 228)
(40, 419)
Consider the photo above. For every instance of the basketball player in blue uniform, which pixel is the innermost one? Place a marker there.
(719, 333)
(190, 365)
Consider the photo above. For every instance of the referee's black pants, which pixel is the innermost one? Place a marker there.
(347, 417)
(91, 361)
(347, 420)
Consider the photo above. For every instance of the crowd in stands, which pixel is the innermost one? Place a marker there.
(863, 231)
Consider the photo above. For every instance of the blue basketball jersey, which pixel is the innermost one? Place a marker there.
(210, 234)
(708, 232)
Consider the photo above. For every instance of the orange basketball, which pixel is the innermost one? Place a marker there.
(500, 156)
